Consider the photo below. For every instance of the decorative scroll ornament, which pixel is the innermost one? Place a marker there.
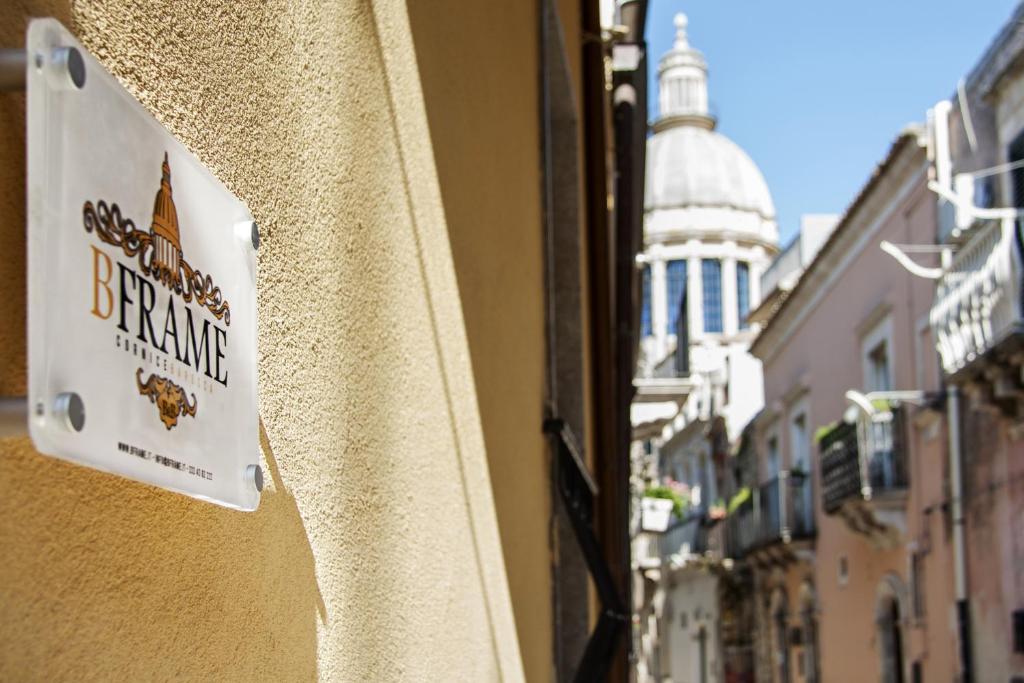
(159, 250)
(170, 399)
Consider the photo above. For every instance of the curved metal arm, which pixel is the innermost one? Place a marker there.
(976, 211)
(908, 263)
(861, 401)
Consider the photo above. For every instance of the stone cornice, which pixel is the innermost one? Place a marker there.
(705, 121)
(1004, 54)
(742, 238)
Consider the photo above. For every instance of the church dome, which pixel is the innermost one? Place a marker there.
(691, 166)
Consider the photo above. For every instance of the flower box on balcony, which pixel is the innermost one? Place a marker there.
(655, 513)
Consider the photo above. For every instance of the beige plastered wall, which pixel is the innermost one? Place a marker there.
(375, 553)
(814, 366)
(480, 77)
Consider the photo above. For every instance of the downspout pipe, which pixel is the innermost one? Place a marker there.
(963, 612)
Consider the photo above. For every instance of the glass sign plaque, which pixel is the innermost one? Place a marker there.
(141, 289)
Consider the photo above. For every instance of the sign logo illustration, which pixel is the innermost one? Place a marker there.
(168, 396)
(160, 257)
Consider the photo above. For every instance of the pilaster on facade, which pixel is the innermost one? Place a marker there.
(659, 307)
(696, 295)
(758, 264)
(730, 308)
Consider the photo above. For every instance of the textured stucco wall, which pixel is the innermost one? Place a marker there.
(375, 554)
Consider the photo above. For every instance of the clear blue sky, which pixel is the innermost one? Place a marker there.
(815, 91)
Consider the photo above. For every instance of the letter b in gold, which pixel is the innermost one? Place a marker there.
(102, 305)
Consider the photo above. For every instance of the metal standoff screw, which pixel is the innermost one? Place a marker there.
(70, 60)
(12, 69)
(248, 232)
(13, 416)
(69, 409)
(254, 475)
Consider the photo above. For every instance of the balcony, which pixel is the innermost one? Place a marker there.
(976, 316)
(670, 377)
(777, 515)
(686, 538)
(647, 551)
(864, 473)
(690, 540)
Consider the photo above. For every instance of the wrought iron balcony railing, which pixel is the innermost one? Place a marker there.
(647, 550)
(688, 537)
(978, 300)
(779, 511)
(863, 459)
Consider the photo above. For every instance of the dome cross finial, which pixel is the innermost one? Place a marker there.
(681, 22)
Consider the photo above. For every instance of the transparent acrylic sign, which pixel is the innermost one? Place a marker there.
(142, 289)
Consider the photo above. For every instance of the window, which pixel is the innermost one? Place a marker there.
(676, 275)
(917, 583)
(711, 272)
(802, 514)
(1015, 154)
(876, 356)
(773, 458)
(1018, 631)
(743, 293)
(878, 368)
(798, 444)
(645, 306)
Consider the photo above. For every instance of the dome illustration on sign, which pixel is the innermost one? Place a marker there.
(166, 236)
(159, 251)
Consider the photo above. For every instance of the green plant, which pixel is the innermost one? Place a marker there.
(881, 405)
(824, 431)
(679, 504)
(741, 497)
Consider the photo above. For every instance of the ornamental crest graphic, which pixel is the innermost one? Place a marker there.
(160, 257)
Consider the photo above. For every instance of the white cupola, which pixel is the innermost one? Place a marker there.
(683, 82)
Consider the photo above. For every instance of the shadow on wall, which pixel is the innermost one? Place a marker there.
(479, 69)
(460, 457)
(109, 580)
(333, 576)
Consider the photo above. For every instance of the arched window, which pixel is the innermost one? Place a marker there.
(780, 635)
(889, 611)
(809, 627)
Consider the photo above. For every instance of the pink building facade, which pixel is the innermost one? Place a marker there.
(865, 593)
